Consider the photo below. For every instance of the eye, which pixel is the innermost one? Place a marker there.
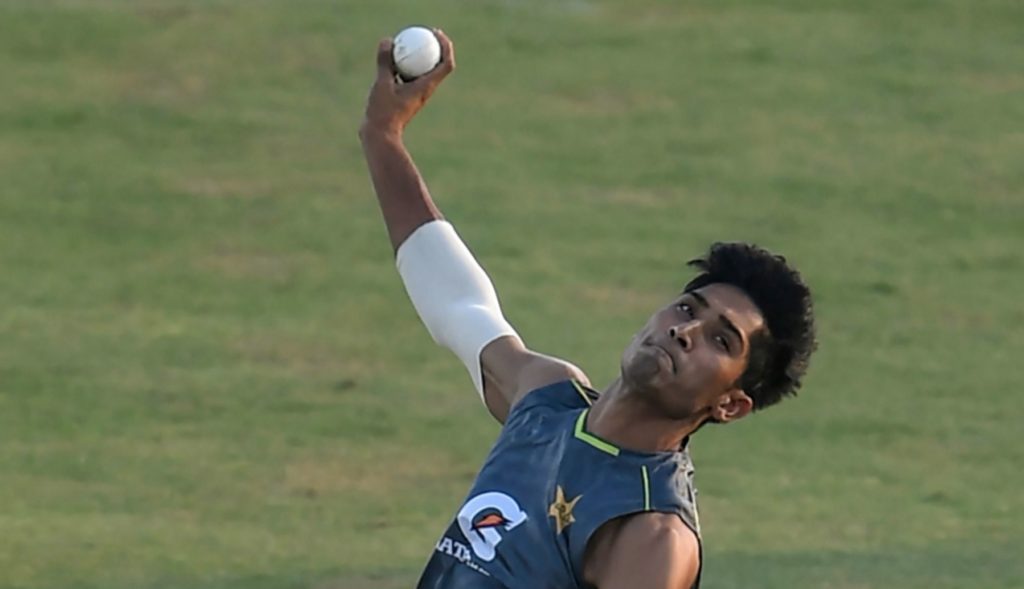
(722, 342)
(686, 308)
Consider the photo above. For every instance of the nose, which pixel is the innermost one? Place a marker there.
(685, 334)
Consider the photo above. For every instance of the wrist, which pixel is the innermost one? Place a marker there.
(375, 131)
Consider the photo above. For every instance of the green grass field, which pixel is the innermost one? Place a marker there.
(210, 376)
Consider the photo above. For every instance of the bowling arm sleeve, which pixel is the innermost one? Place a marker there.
(452, 294)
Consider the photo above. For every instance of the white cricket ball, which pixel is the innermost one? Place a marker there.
(416, 52)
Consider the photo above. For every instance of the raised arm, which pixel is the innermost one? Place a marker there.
(452, 294)
(403, 196)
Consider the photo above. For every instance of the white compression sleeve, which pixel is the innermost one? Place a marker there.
(452, 294)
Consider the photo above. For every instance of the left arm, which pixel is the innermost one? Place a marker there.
(646, 551)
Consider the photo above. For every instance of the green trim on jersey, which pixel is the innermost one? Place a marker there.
(579, 389)
(647, 487)
(592, 439)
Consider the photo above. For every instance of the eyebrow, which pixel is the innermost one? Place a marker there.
(700, 298)
(725, 320)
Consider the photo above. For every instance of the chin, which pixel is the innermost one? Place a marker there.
(643, 374)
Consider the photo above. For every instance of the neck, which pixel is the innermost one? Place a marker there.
(627, 419)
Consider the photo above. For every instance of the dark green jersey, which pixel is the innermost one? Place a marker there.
(545, 488)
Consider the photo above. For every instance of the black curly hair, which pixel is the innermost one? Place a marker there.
(779, 354)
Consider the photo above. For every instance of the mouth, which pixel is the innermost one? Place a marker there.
(667, 354)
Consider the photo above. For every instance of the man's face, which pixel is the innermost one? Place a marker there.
(690, 355)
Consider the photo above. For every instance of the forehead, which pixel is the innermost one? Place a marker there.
(734, 304)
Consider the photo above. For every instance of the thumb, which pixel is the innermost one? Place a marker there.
(385, 61)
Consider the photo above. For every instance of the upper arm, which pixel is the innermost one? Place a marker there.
(650, 551)
(510, 371)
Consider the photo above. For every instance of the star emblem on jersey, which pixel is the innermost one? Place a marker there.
(561, 509)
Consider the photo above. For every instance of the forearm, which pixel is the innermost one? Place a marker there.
(401, 192)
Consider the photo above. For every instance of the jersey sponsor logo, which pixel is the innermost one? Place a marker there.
(459, 552)
(485, 518)
(561, 509)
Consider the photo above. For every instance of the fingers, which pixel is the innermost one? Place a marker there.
(447, 52)
(385, 62)
(429, 81)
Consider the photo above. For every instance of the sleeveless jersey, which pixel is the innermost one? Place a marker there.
(546, 487)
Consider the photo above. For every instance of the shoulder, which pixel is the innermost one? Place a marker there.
(512, 371)
(543, 370)
(650, 550)
(657, 528)
(564, 396)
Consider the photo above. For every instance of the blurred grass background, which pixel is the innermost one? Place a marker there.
(210, 376)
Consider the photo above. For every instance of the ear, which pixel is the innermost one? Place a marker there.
(731, 406)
